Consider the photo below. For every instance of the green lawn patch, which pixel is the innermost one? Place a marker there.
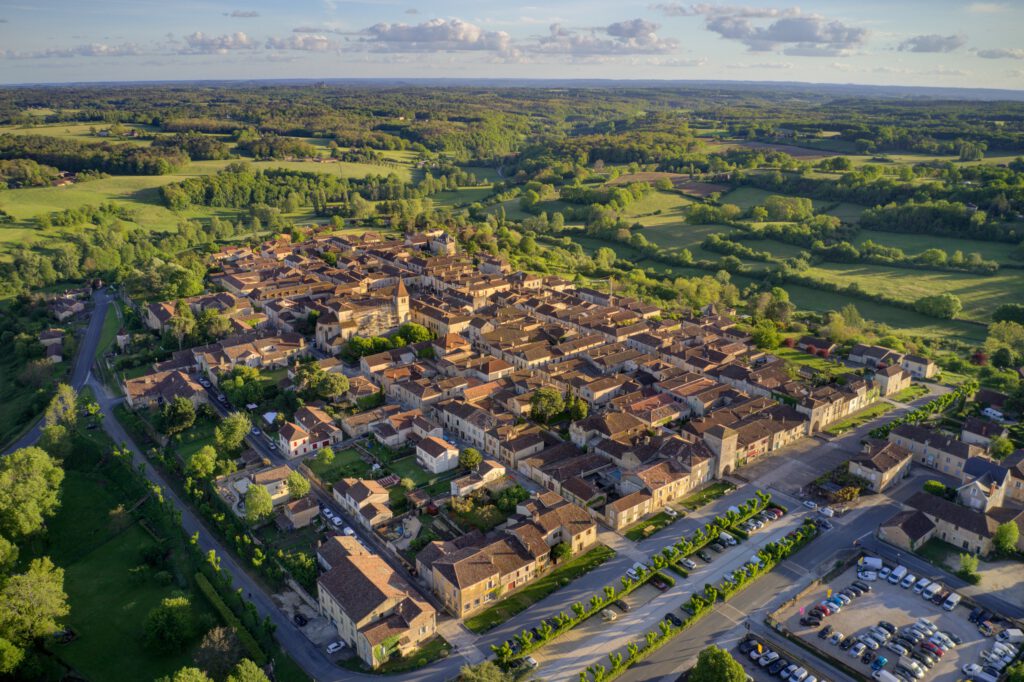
(708, 494)
(408, 467)
(910, 393)
(193, 439)
(347, 464)
(647, 528)
(538, 589)
(428, 653)
(796, 356)
(485, 517)
(939, 553)
(859, 418)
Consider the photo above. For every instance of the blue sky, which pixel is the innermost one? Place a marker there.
(908, 42)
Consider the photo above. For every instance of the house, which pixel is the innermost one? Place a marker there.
(980, 432)
(275, 481)
(1015, 464)
(487, 472)
(468, 578)
(311, 430)
(962, 526)
(436, 455)
(933, 449)
(373, 609)
(157, 316)
(984, 484)
(891, 380)
(365, 500)
(909, 529)
(330, 551)
(816, 346)
(159, 388)
(612, 425)
(301, 512)
(882, 463)
(874, 356)
(919, 367)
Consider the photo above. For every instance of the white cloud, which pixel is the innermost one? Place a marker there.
(678, 9)
(945, 71)
(89, 50)
(796, 36)
(1002, 53)
(634, 36)
(761, 65)
(318, 29)
(986, 7)
(304, 42)
(436, 35)
(678, 62)
(932, 43)
(242, 14)
(200, 42)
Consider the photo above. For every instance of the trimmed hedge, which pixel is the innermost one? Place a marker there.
(249, 642)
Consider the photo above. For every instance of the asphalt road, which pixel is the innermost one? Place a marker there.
(82, 363)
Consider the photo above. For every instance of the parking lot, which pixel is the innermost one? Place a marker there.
(898, 606)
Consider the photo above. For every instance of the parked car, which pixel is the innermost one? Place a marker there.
(879, 663)
(705, 556)
(717, 547)
(748, 645)
(827, 511)
(608, 615)
(825, 632)
(670, 512)
(847, 643)
(659, 583)
(883, 573)
(836, 638)
(530, 662)
(789, 670)
(689, 563)
(825, 523)
(908, 580)
(867, 657)
(810, 504)
(778, 666)
(674, 619)
(887, 626)
(757, 655)
(863, 586)
(299, 620)
(798, 675)
(870, 642)
(623, 606)
(897, 649)
(854, 590)
(921, 584)
(335, 647)
(867, 576)
(767, 659)
(858, 649)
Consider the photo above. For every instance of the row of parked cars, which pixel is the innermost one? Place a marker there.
(994, 660)
(929, 590)
(918, 647)
(773, 662)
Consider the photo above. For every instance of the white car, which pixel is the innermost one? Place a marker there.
(921, 584)
(348, 531)
(798, 676)
(336, 521)
(857, 649)
(688, 563)
(884, 573)
(810, 504)
(971, 669)
(531, 662)
(870, 642)
(897, 648)
(867, 576)
(335, 647)
(768, 659)
(908, 580)
(826, 511)
(670, 512)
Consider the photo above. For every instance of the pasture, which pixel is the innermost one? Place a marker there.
(916, 243)
(748, 197)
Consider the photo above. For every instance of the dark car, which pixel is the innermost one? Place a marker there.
(705, 556)
(809, 622)
(659, 583)
(825, 523)
(940, 596)
(926, 659)
(862, 585)
(778, 666)
(717, 547)
(868, 656)
(299, 619)
(974, 615)
(887, 626)
(856, 591)
(748, 645)
(847, 643)
(985, 615)
(623, 606)
(674, 619)
(906, 641)
(825, 632)
(955, 638)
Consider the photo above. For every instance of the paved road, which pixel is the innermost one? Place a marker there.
(82, 364)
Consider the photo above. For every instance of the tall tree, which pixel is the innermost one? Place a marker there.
(258, 504)
(1006, 537)
(298, 486)
(231, 432)
(717, 665)
(178, 415)
(218, 651)
(470, 458)
(203, 463)
(169, 626)
(247, 671)
(63, 407)
(30, 482)
(546, 403)
(32, 602)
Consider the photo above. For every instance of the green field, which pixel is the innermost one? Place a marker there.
(347, 463)
(681, 235)
(798, 357)
(78, 131)
(916, 243)
(659, 208)
(748, 197)
(845, 211)
(979, 294)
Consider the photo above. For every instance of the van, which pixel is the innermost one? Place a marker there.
(931, 590)
(951, 601)
(897, 574)
(1012, 636)
(870, 563)
(728, 539)
(885, 676)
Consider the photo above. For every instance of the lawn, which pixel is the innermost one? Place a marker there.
(538, 589)
(657, 522)
(847, 212)
(706, 495)
(408, 467)
(860, 418)
(796, 356)
(484, 518)
(192, 440)
(910, 393)
(347, 464)
(939, 553)
(748, 197)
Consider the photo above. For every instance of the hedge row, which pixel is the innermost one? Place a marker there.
(245, 637)
(939, 404)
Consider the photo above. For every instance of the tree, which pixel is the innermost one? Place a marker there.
(1006, 537)
(56, 440)
(414, 333)
(169, 626)
(298, 486)
(218, 651)
(605, 258)
(968, 568)
(407, 484)
(182, 323)
(578, 408)
(32, 602)
(203, 463)
(231, 433)
(332, 385)
(258, 504)
(325, 457)
(470, 458)
(484, 672)
(546, 403)
(178, 415)
(63, 407)
(1000, 447)
(945, 306)
(561, 551)
(765, 335)
(30, 482)
(247, 671)
(187, 675)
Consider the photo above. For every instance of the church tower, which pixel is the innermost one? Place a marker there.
(401, 302)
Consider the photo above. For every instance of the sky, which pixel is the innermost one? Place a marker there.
(896, 42)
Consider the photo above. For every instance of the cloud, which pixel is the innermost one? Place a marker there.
(242, 14)
(317, 29)
(808, 36)
(702, 9)
(986, 7)
(678, 62)
(90, 50)
(200, 42)
(1002, 53)
(634, 36)
(761, 65)
(303, 42)
(932, 43)
(945, 71)
(436, 35)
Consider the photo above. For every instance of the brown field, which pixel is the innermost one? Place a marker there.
(701, 189)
